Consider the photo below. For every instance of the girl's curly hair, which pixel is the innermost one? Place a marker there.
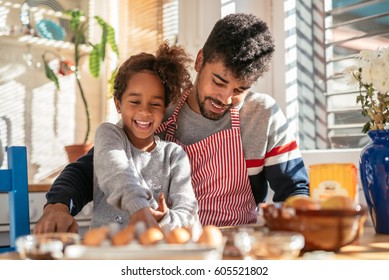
(170, 64)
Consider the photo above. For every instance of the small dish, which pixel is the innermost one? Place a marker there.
(50, 30)
(278, 245)
(47, 246)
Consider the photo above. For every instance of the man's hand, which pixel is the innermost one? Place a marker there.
(56, 218)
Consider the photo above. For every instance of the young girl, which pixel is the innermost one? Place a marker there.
(135, 170)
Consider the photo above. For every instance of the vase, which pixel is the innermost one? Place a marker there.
(76, 151)
(374, 171)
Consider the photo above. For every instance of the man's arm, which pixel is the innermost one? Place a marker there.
(284, 167)
(74, 186)
(70, 192)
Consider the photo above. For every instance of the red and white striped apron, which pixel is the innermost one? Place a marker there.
(219, 174)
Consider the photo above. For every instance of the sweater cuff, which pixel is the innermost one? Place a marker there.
(135, 205)
(165, 223)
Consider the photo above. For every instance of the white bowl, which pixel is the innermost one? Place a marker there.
(47, 246)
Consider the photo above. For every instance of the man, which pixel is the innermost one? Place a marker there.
(237, 141)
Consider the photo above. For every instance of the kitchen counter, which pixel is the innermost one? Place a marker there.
(371, 246)
(39, 187)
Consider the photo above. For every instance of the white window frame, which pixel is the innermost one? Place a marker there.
(197, 19)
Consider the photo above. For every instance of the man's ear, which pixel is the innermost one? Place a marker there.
(199, 60)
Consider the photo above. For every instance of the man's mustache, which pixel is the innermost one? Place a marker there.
(219, 103)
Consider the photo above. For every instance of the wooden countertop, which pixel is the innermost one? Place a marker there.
(39, 187)
(371, 246)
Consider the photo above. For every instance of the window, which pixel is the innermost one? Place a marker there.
(350, 26)
(144, 24)
(227, 7)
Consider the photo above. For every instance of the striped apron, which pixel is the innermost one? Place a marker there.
(219, 174)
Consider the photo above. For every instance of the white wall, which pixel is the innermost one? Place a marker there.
(197, 19)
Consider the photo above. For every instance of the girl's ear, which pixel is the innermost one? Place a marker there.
(117, 104)
(199, 60)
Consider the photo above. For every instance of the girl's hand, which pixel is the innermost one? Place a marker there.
(144, 215)
(161, 211)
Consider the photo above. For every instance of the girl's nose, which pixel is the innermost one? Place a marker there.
(145, 110)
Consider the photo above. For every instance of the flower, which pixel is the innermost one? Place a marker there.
(371, 77)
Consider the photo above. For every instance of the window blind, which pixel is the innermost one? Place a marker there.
(144, 24)
(147, 23)
(350, 26)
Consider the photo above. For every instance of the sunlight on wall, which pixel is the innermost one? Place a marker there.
(52, 125)
(12, 111)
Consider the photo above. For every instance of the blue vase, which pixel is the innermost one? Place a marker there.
(374, 171)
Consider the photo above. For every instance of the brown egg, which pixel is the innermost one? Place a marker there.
(178, 236)
(96, 236)
(301, 202)
(151, 236)
(124, 237)
(338, 202)
(211, 236)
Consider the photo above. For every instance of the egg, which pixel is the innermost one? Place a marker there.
(338, 202)
(151, 236)
(211, 236)
(124, 236)
(96, 236)
(301, 202)
(178, 236)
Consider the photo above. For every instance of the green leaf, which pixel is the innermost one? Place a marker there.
(94, 60)
(111, 40)
(111, 82)
(75, 20)
(108, 35)
(366, 127)
(50, 74)
(103, 42)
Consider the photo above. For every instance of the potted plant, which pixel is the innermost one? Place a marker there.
(78, 27)
(371, 76)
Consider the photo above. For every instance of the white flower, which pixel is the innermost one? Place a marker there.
(350, 74)
(371, 76)
(375, 68)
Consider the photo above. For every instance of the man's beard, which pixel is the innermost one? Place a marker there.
(210, 115)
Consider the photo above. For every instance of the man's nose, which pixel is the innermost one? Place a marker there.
(225, 96)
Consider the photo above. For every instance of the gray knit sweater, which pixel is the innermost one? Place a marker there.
(127, 179)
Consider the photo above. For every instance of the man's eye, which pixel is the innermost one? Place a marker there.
(218, 84)
(134, 102)
(156, 104)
